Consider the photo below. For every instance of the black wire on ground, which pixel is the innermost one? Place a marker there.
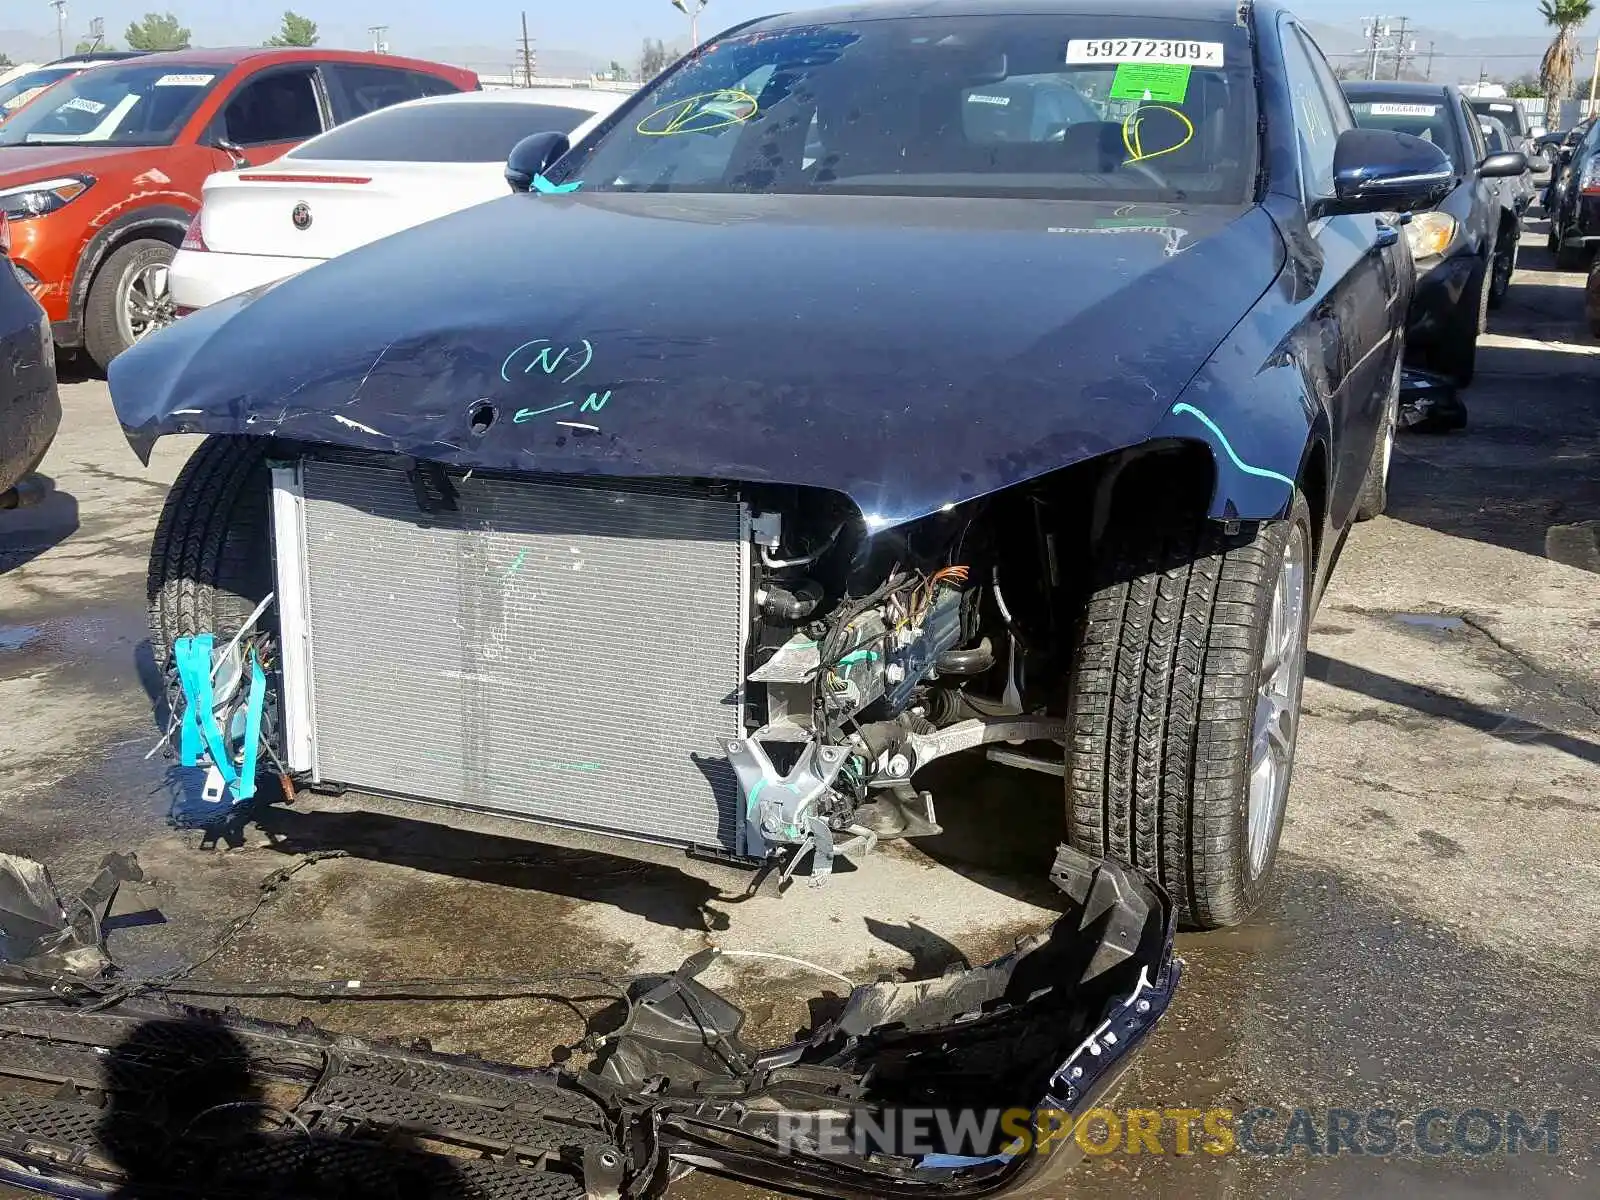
(102, 994)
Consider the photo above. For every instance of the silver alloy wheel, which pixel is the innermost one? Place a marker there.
(1391, 419)
(144, 303)
(1272, 734)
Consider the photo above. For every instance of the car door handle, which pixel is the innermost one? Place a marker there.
(1387, 235)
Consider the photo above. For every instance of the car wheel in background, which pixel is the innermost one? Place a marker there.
(128, 299)
(1572, 256)
(1184, 701)
(210, 562)
(1374, 495)
(1503, 268)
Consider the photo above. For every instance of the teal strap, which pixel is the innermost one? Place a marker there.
(199, 721)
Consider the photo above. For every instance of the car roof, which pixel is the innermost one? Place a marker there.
(97, 56)
(236, 55)
(1396, 89)
(1185, 10)
(588, 99)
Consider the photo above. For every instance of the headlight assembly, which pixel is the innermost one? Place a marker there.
(1429, 234)
(37, 199)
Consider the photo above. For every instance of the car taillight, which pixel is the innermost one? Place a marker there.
(193, 239)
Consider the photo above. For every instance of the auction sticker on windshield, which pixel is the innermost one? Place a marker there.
(1144, 50)
(1404, 110)
(184, 80)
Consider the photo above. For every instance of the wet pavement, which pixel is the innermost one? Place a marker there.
(1431, 940)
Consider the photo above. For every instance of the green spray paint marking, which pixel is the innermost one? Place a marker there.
(516, 563)
(595, 402)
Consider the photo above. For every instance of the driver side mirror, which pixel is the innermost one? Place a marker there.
(1504, 165)
(1379, 170)
(533, 155)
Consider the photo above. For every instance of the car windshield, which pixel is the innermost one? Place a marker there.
(456, 132)
(1426, 119)
(14, 93)
(1078, 107)
(1504, 111)
(135, 105)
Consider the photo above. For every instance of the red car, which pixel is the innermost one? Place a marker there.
(100, 176)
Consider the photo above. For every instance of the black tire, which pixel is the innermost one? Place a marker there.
(1551, 242)
(211, 561)
(1161, 703)
(103, 335)
(1374, 495)
(1572, 256)
(1456, 353)
(1503, 267)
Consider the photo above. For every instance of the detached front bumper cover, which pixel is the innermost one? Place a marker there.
(151, 1096)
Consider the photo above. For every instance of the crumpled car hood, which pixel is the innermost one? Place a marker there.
(908, 352)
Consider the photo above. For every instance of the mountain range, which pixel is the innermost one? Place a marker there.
(1456, 59)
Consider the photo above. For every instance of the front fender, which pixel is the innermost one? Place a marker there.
(1258, 421)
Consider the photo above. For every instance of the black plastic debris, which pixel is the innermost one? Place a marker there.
(1430, 403)
(915, 1088)
(43, 932)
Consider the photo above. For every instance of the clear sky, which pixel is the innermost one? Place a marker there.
(612, 27)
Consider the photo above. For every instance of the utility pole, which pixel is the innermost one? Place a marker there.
(1428, 74)
(1375, 32)
(1400, 49)
(693, 9)
(61, 26)
(1589, 112)
(379, 46)
(528, 56)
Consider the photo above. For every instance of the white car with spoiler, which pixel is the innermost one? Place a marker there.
(364, 180)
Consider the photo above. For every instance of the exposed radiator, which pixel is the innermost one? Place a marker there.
(566, 653)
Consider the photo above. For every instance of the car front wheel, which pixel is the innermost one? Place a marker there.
(129, 299)
(1184, 703)
(1503, 268)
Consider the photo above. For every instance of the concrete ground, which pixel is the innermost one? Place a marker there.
(1431, 940)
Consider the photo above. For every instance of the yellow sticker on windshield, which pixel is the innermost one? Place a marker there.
(700, 114)
(1168, 130)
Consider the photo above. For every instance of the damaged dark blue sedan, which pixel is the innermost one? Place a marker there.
(878, 384)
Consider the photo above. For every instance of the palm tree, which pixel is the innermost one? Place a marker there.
(1555, 71)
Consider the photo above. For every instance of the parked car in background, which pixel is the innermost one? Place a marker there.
(1559, 146)
(30, 409)
(1574, 205)
(1465, 247)
(782, 425)
(1511, 114)
(21, 89)
(1517, 190)
(102, 176)
(363, 181)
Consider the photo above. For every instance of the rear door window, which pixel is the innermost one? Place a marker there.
(444, 133)
(360, 88)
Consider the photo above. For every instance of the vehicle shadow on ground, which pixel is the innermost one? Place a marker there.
(1434, 703)
(26, 533)
(662, 895)
(1523, 474)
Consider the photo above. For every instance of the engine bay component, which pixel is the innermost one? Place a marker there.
(915, 1088)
